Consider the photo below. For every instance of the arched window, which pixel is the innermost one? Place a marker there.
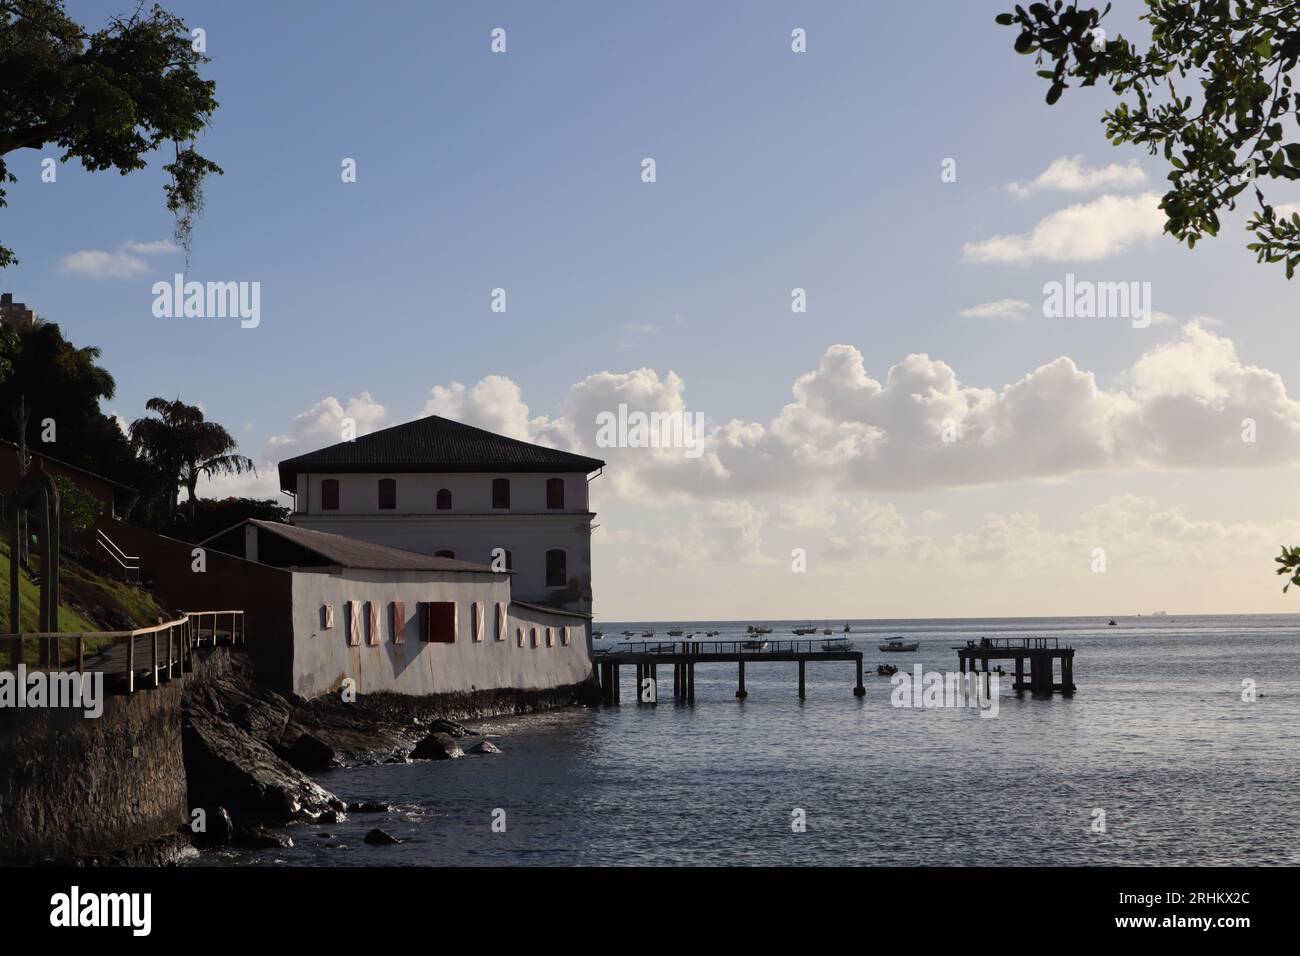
(555, 494)
(501, 493)
(329, 494)
(387, 494)
(444, 499)
(444, 553)
(556, 568)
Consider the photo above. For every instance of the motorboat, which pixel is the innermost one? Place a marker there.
(755, 645)
(629, 633)
(847, 629)
(597, 635)
(801, 631)
(1111, 622)
(761, 630)
(826, 631)
(837, 644)
(712, 633)
(647, 633)
(678, 632)
(886, 670)
(897, 644)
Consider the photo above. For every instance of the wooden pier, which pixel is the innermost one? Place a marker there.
(1040, 652)
(682, 656)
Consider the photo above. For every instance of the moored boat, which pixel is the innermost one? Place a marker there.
(755, 645)
(897, 644)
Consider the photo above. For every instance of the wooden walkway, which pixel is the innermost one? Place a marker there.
(157, 653)
(682, 656)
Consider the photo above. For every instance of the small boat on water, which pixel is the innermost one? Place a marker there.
(837, 644)
(847, 629)
(597, 635)
(647, 633)
(712, 633)
(886, 670)
(801, 631)
(826, 630)
(759, 630)
(897, 644)
(629, 633)
(755, 645)
(678, 632)
(1111, 622)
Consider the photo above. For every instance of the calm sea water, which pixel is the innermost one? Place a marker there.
(1158, 737)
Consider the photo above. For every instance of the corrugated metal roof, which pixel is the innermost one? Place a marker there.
(434, 444)
(351, 553)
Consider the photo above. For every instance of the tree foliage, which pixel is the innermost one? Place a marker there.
(108, 98)
(181, 446)
(1211, 92)
(62, 384)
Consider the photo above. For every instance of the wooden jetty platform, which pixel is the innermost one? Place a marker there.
(683, 656)
(1041, 652)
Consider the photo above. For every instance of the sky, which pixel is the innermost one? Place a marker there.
(904, 172)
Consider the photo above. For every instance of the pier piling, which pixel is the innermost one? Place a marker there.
(741, 693)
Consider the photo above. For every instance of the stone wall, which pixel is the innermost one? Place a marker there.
(74, 787)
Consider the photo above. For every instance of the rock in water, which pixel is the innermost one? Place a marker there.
(369, 806)
(449, 727)
(227, 765)
(485, 747)
(437, 746)
(260, 838)
(310, 753)
(378, 837)
(220, 829)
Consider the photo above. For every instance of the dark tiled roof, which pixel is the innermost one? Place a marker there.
(351, 553)
(434, 444)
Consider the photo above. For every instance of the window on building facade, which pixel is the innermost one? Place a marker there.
(557, 575)
(501, 493)
(555, 494)
(444, 500)
(329, 494)
(387, 494)
(438, 622)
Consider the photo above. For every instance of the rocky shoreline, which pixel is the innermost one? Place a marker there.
(248, 750)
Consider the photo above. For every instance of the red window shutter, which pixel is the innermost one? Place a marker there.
(399, 622)
(372, 607)
(439, 622)
(354, 624)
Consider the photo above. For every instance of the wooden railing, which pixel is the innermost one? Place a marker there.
(182, 636)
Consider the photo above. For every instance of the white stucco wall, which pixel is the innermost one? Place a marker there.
(322, 657)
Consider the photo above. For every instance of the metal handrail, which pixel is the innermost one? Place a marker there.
(728, 647)
(126, 562)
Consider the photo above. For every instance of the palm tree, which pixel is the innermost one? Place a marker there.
(181, 446)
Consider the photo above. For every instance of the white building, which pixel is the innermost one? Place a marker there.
(450, 490)
(390, 620)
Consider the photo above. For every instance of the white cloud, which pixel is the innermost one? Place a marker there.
(1083, 232)
(126, 262)
(1180, 405)
(998, 309)
(1069, 174)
